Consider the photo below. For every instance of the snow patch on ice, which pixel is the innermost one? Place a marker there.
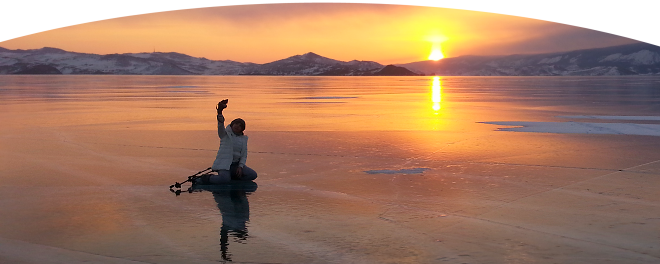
(637, 118)
(580, 128)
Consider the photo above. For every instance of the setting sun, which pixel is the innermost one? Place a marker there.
(436, 50)
(436, 54)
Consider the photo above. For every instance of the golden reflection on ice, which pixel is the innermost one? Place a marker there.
(436, 93)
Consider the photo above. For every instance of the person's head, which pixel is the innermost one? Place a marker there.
(237, 126)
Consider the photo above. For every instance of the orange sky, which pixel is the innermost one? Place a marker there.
(269, 32)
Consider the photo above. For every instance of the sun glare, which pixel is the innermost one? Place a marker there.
(436, 93)
(436, 54)
(436, 49)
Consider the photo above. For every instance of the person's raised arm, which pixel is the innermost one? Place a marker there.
(221, 119)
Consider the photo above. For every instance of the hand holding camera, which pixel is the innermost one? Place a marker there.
(221, 105)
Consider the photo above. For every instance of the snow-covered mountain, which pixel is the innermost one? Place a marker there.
(632, 59)
(158, 63)
(314, 64)
(193, 65)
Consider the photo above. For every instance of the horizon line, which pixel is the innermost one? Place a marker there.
(504, 55)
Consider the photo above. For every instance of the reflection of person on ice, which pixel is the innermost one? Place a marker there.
(235, 210)
(230, 161)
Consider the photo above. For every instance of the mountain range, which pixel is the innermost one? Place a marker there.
(632, 59)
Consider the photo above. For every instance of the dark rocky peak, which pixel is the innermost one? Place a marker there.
(50, 50)
(115, 56)
(172, 55)
(122, 60)
(391, 70)
(311, 56)
(355, 62)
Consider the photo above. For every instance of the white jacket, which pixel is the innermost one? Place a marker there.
(233, 148)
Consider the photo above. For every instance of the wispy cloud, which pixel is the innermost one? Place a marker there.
(267, 32)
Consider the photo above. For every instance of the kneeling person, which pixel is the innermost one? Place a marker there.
(230, 161)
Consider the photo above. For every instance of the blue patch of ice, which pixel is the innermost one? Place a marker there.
(401, 171)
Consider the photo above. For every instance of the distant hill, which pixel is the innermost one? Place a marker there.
(632, 59)
(39, 69)
(391, 70)
(314, 64)
(158, 63)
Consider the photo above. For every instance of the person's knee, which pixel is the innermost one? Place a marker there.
(249, 174)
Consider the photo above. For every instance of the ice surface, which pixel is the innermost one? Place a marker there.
(401, 171)
(582, 128)
(587, 128)
(638, 118)
(86, 162)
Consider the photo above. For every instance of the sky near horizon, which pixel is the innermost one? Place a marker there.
(268, 32)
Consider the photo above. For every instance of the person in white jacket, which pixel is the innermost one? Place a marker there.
(230, 161)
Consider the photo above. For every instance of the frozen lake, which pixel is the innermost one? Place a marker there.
(351, 170)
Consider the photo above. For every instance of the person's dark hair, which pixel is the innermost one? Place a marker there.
(238, 121)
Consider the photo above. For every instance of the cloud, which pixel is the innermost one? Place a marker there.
(267, 32)
(557, 38)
